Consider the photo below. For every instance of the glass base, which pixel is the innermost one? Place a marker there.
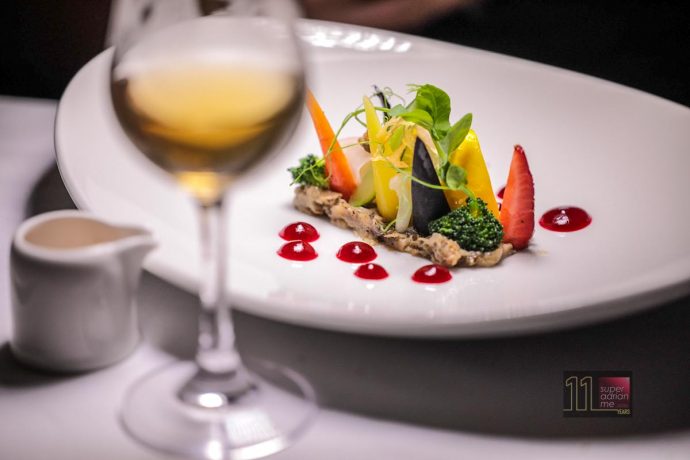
(265, 419)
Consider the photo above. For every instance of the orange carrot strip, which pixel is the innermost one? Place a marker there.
(338, 170)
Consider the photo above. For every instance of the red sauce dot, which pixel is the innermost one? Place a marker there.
(500, 192)
(356, 252)
(297, 250)
(432, 274)
(299, 231)
(565, 219)
(371, 272)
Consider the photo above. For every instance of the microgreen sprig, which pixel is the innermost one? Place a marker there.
(389, 225)
(430, 109)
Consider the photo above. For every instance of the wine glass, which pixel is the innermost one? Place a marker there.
(205, 99)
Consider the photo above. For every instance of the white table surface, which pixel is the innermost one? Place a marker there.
(75, 417)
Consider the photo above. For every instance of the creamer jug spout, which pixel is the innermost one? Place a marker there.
(132, 247)
(134, 244)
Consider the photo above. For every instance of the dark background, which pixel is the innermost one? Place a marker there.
(44, 42)
(642, 44)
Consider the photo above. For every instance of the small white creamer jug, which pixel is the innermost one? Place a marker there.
(74, 285)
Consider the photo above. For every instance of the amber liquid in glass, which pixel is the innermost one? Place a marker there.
(205, 123)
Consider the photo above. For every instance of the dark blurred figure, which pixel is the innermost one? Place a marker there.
(385, 14)
(640, 43)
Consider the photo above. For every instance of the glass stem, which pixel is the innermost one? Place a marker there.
(216, 352)
(220, 378)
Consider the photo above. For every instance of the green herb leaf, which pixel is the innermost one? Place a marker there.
(456, 177)
(419, 117)
(436, 103)
(397, 110)
(456, 134)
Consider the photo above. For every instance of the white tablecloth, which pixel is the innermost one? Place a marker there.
(70, 418)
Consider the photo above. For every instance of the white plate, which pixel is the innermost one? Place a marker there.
(619, 153)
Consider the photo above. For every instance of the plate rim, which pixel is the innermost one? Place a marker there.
(608, 309)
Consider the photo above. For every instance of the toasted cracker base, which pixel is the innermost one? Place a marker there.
(369, 225)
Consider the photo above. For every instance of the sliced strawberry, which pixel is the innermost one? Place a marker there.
(517, 210)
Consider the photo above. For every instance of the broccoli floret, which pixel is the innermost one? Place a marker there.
(310, 171)
(473, 226)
